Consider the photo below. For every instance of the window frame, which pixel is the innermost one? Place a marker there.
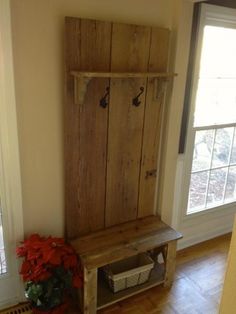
(11, 288)
(215, 16)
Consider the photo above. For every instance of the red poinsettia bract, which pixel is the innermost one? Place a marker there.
(42, 254)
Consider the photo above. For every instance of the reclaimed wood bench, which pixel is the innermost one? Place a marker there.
(119, 242)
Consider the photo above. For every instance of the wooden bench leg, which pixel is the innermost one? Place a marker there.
(170, 263)
(90, 291)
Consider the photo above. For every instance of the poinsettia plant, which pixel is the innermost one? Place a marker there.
(51, 270)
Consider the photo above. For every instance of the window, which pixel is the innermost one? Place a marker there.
(11, 222)
(211, 145)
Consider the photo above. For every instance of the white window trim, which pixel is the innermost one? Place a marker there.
(215, 16)
(10, 183)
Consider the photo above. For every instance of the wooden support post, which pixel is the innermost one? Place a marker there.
(170, 263)
(90, 291)
(80, 89)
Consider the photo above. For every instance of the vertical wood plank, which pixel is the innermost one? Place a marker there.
(90, 291)
(153, 123)
(170, 263)
(130, 52)
(71, 114)
(86, 127)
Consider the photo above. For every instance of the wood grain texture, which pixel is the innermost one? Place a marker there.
(71, 114)
(92, 159)
(130, 52)
(170, 263)
(108, 151)
(82, 74)
(130, 48)
(159, 50)
(90, 291)
(118, 242)
(86, 127)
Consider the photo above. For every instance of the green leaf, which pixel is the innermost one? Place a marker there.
(34, 291)
(50, 293)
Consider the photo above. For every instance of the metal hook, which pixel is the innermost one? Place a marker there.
(104, 99)
(136, 101)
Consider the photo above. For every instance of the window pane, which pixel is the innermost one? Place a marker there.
(3, 268)
(219, 43)
(222, 147)
(197, 193)
(215, 98)
(215, 101)
(202, 150)
(230, 192)
(216, 187)
(233, 153)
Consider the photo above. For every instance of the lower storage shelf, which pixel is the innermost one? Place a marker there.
(113, 244)
(106, 297)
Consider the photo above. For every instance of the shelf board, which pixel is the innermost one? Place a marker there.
(124, 240)
(106, 297)
(79, 74)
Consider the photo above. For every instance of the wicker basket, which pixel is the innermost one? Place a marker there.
(129, 272)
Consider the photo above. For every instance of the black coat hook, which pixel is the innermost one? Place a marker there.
(104, 99)
(136, 101)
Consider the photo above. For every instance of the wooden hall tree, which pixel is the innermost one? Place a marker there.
(115, 88)
(113, 122)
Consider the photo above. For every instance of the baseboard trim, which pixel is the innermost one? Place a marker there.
(192, 240)
(18, 309)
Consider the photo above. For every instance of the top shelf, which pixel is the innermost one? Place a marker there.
(124, 240)
(80, 74)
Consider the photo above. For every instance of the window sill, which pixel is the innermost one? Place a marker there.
(221, 210)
